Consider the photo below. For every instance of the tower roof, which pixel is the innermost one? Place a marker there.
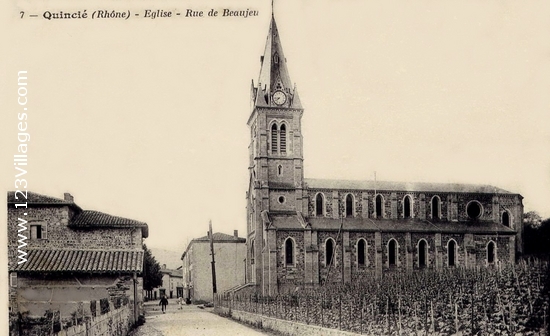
(274, 75)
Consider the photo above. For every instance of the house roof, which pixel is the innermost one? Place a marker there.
(82, 261)
(218, 238)
(36, 198)
(221, 238)
(96, 219)
(402, 186)
(82, 218)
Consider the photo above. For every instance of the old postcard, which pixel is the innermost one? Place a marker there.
(368, 167)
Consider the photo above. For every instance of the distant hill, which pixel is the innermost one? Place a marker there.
(170, 258)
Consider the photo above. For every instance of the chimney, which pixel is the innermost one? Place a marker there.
(236, 233)
(68, 197)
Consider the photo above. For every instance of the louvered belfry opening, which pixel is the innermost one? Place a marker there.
(283, 138)
(274, 138)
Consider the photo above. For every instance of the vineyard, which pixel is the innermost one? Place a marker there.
(510, 300)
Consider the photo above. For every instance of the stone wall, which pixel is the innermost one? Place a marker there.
(59, 236)
(452, 206)
(66, 293)
(290, 274)
(115, 323)
(282, 326)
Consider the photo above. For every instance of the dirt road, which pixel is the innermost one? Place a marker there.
(190, 320)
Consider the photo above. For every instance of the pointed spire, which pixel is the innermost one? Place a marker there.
(274, 74)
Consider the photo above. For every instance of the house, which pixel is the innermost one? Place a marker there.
(66, 261)
(230, 263)
(307, 231)
(172, 284)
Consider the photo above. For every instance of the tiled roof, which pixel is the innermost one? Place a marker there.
(388, 225)
(35, 198)
(285, 222)
(412, 225)
(85, 261)
(221, 237)
(402, 186)
(96, 219)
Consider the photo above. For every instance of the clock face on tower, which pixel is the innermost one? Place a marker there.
(279, 97)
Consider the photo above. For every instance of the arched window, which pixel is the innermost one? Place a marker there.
(379, 206)
(319, 204)
(491, 252)
(289, 252)
(283, 138)
(361, 252)
(407, 208)
(349, 205)
(422, 253)
(451, 253)
(274, 138)
(506, 218)
(392, 252)
(435, 207)
(252, 252)
(279, 170)
(329, 251)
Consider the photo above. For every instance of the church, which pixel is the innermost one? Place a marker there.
(306, 231)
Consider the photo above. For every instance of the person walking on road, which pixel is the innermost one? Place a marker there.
(163, 303)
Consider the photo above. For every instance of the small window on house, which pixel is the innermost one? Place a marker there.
(13, 279)
(407, 207)
(379, 206)
(506, 219)
(491, 252)
(38, 231)
(281, 199)
(276, 58)
(329, 251)
(435, 207)
(279, 170)
(319, 205)
(392, 252)
(451, 253)
(349, 205)
(473, 209)
(283, 138)
(274, 138)
(422, 253)
(289, 252)
(361, 252)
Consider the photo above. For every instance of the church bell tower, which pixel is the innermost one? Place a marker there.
(275, 154)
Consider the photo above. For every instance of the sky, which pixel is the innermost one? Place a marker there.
(146, 118)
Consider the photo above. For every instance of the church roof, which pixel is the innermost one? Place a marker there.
(274, 73)
(411, 225)
(388, 225)
(402, 186)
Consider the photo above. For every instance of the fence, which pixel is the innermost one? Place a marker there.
(114, 323)
(501, 300)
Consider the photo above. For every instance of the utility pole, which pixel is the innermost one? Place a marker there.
(214, 291)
